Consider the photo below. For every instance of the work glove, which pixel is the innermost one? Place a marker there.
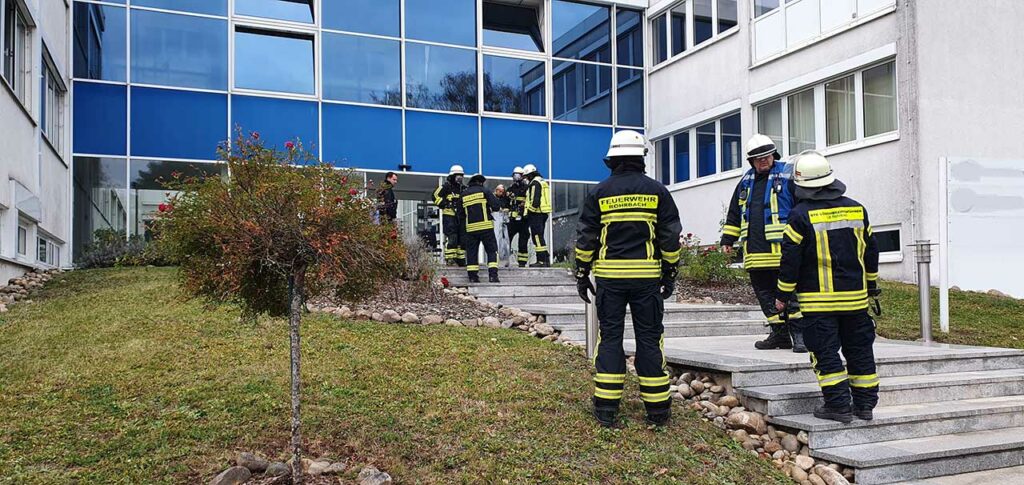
(669, 272)
(583, 283)
(873, 290)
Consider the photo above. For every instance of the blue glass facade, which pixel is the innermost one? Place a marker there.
(488, 85)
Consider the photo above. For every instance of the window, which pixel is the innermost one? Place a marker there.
(273, 61)
(678, 28)
(703, 22)
(48, 252)
(209, 7)
(664, 151)
(582, 92)
(362, 69)
(801, 122)
(659, 32)
(840, 111)
(579, 29)
(51, 99)
(682, 154)
(780, 26)
(631, 97)
(16, 47)
(100, 200)
(445, 21)
(880, 99)
(291, 10)
(148, 189)
(179, 50)
(762, 7)
(100, 42)
(378, 17)
(727, 16)
(176, 123)
(513, 26)
(630, 48)
(769, 122)
(513, 85)
(732, 143)
(888, 240)
(707, 161)
(441, 78)
(22, 240)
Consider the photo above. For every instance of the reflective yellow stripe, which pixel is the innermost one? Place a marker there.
(833, 296)
(479, 226)
(731, 230)
(831, 379)
(624, 274)
(585, 256)
(870, 380)
(787, 287)
(793, 235)
(612, 394)
(872, 276)
(774, 319)
(473, 197)
(834, 307)
(629, 217)
(836, 214)
(654, 381)
(650, 240)
(492, 265)
(655, 397)
(472, 267)
(672, 257)
(610, 378)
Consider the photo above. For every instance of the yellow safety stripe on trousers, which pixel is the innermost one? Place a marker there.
(654, 397)
(661, 347)
(731, 230)
(774, 319)
(479, 226)
(448, 212)
(793, 235)
(585, 256)
(537, 247)
(671, 257)
(870, 380)
(492, 264)
(832, 379)
(628, 217)
(653, 381)
(787, 287)
(610, 378)
(472, 267)
(523, 256)
(762, 260)
(612, 394)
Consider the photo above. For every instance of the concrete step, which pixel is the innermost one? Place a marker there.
(1011, 474)
(933, 456)
(520, 301)
(803, 398)
(693, 312)
(911, 421)
(511, 282)
(939, 362)
(682, 328)
(489, 292)
(451, 273)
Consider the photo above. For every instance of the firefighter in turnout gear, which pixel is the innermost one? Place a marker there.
(830, 266)
(517, 225)
(758, 213)
(477, 205)
(448, 198)
(628, 236)
(538, 207)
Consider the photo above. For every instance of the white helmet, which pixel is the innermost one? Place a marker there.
(529, 169)
(518, 170)
(627, 143)
(456, 170)
(759, 146)
(812, 170)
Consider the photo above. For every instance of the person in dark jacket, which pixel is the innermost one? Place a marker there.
(830, 266)
(387, 204)
(628, 236)
(477, 205)
(517, 225)
(448, 198)
(758, 212)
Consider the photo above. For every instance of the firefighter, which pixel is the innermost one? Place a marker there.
(448, 198)
(517, 225)
(830, 263)
(758, 213)
(538, 207)
(628, 235)
(477, 205)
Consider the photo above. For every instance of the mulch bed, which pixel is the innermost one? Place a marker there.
(407, 296)
(731, 294)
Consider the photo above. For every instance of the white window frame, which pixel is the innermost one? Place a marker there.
(53, 102)
(690, 45)
(890, 256)
(21, 249)
(820, 141)
(695, 177)
(20, 83)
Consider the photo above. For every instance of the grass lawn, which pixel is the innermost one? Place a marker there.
(112, 377)
(974, 318)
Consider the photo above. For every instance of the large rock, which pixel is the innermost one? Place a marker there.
(235, 475)
(544, 329)
(507, 323)
(410, 317)
(729, 401)
(830, 476)
(471, 322)
(697, 386)
(278, 469)
(802, 437)
(790, 443)
(797, 473)
(391, 316)
(370, 475)
(804, 462)
(432, 319)
(335, 469)
(451, 322)
(815, 480)
(749, 421)
(317, 468)
(252, 462)
(491, 322)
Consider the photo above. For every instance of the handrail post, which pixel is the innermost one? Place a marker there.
(591, 323)
(923, 255)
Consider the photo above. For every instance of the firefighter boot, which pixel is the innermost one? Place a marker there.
(605, 415)
(777, 339)
(798, 340)
(474, 277)
(660, 417)
(864, 413)
(843, 415)
(492, 275)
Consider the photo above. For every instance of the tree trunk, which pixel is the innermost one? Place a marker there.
(296, 286)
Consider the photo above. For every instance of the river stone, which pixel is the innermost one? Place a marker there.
(816, 480)
(471, 322)
(804, 462)
(491, 322)
(278, 469)
(410, 317)
(717, 389)
(377, 317)
(729, 401)
(432, 319)
(797, 473)
(370, 475)
(451, 322)
(507, 323)
(752, 422)
(790, 443)
(544, 329)
(771, 447)
(685, 391)
(391, 316)
(697, 386)
(316, 468)
(252, 462)
(335, 469)
(740, 435)
(802, 437)
(235, 475)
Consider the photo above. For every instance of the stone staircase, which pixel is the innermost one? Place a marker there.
(943, 409)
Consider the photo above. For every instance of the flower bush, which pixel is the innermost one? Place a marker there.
(705, 266)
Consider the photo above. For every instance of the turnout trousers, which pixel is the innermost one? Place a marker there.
(538, 223)
(454, 251)
(472, 248)
(522, 229)
(854, 333)
(643, 296)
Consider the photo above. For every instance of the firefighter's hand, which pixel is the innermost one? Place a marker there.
(874, 292)
(668, 286)
(585, 288)
(779, 306)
